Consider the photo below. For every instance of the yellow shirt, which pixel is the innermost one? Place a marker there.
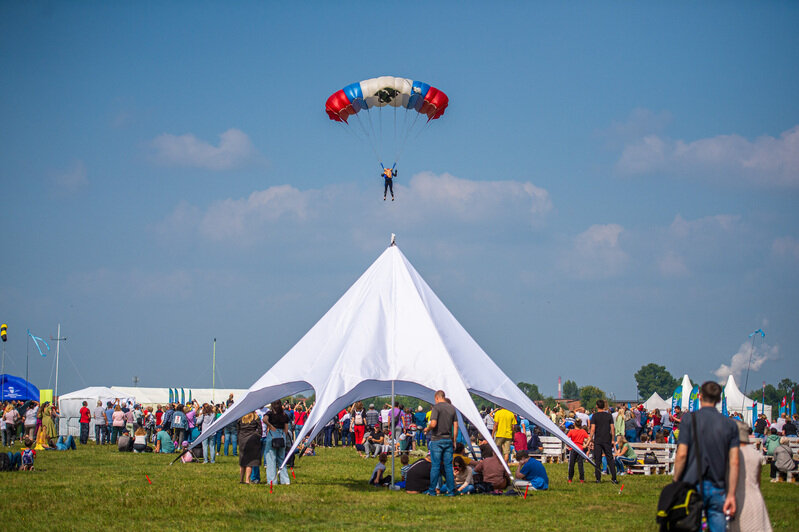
(503, 423)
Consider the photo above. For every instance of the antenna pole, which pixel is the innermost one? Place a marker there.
(213, 373)
(57, 339)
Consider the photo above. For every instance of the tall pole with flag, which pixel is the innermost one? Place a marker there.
(213, 373)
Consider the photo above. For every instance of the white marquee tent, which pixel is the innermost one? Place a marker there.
(160, 396)
(686, 394)
(69, 406)
(388, 333)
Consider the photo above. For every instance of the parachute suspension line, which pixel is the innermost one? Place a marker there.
(404, 131)
(401, 147)
(377, 147)
(370, 138)
(395, 135)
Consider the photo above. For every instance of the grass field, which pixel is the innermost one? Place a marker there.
(100, 488)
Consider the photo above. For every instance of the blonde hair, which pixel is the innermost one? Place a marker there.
(248, 418)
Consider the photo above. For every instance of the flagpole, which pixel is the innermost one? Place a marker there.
(393, 425)
(57, 349)
(27, 354)
(213, 373)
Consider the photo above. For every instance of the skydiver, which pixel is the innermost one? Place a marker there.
(388, 175)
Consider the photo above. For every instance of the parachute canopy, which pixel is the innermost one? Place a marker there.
(386, 90)
(383, 99)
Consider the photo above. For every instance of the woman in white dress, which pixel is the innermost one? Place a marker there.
(752, 514)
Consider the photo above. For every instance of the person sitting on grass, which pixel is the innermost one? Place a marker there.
(125, 442)
(460, 450)
(140, 441)
(377, 478)
(463, 476)
(376, 441)
(417, 477)
(531, 473)
(404, 467)
(28, 455)
(163, 442)
(534, 444)
(492, 469)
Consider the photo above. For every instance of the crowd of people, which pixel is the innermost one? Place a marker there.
(445, 465)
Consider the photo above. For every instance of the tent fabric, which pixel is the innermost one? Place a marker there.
(69, 406)
(17, 389)
(656, 402)
(738, 402)
(160, 396)
(686, 394)
(389, 327)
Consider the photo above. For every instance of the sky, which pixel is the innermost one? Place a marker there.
(611, 185)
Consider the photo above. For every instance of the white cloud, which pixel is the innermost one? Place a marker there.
(639, 124)
(741, 360)
(428, 201)
(597, 253)
(766, 160)
(672, 265)
(468, 200)
(72, 179)
(682, 228)
(235, 149)
(786, 246)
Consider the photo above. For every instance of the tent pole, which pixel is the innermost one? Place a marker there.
(393, 427)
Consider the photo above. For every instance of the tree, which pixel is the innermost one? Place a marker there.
(570, 390)
(653, 378)
(530, 390)
(785, 386)
(589, 396)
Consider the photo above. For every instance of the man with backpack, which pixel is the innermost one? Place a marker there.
(717, 476)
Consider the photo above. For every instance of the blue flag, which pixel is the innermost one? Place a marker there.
(190, 395)
(724, 411)
(182, 397)
(693, 399)
(676, 399)
(36, 341)
(171, 398)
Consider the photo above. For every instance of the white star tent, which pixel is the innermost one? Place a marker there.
(686, 394)
(388, 333)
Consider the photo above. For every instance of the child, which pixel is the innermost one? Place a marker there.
(377, 478)
(579, 437)
(28, 454)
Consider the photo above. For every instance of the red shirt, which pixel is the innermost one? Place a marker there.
(300, 417)
(85, 415)
(158, 416)
(520, 441)
(578, 436)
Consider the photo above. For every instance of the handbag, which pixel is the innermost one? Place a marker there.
(680, 505)
(278, 443)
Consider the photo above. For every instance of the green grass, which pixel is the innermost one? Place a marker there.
(99, 488)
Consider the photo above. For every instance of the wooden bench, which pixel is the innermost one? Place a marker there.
(554, 450)
(664, 452)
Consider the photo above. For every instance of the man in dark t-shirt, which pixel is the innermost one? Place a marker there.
(718, 441)
(443, 430)
(417, 479)
(602, 440)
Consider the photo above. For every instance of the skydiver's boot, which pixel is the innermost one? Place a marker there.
(392, 198)
(384, 198)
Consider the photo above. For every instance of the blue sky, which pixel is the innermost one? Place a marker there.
(611, 184)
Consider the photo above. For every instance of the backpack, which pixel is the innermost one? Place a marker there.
(679, 507)
(5, 462)
(359, 418)
(27, 457)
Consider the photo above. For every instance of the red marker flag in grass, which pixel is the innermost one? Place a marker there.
(148, 479)
(527, 487)
(270, 487)
(292, 474)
